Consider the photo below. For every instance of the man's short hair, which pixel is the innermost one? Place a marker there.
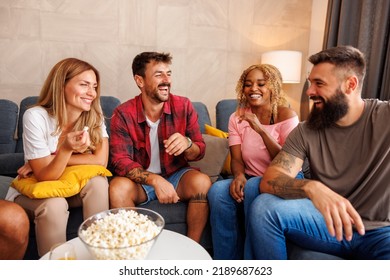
(140, 61)
(346, 58)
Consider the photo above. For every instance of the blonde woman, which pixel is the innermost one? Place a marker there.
(257, 131)
(54, 138)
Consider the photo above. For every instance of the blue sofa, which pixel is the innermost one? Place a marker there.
(11, 158)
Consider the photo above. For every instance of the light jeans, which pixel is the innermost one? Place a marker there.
(272, 220)
(227, 218)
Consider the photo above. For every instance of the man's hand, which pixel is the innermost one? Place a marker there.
(339, 214)
(165, 191)
(176, 144)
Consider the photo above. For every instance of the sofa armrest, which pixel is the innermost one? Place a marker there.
(10, 163)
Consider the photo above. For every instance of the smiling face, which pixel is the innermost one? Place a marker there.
(323, 83)
(80, 91)
(327, 92)
(156, 84)
(255, 89)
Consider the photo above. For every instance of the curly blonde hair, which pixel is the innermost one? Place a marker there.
(273, 81)
(52, 98)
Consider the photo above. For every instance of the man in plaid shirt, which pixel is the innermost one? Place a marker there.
(153, 136)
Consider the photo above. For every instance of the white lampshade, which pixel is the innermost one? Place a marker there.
(288, 62)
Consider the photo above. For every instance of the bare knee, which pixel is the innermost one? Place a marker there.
(201, 183)
(118, 187)
(194, 184)
(123, 192)
(14, 229)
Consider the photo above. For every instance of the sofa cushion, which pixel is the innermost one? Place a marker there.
(226, 169)
(108, 104)
(10, 163)
(203, 115)
(223, 110)
(5, 182)
(8, 121)
(216, 151)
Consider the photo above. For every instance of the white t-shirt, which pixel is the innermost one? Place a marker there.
(38, 141)
(155, 165)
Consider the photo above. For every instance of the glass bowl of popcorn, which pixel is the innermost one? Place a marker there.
(121, 233)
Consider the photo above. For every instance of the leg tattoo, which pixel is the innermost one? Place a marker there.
(198, 198)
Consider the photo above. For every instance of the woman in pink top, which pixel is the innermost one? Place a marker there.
(257, 131)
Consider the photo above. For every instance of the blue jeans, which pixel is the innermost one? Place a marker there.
(272, 220)
(174, 179)
(227, 218)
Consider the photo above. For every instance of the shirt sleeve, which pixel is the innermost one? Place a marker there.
(286, 127)
(104, 130)
(121, 145)
(295, 144)
(234, 131)
(37, 141)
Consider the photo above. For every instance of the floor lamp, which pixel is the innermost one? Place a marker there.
(289, 64)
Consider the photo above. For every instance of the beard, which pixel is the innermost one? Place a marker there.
(154, 94)
(333, 110)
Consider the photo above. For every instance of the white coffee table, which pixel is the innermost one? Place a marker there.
(169, 246)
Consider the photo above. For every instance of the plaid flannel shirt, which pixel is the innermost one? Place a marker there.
(129, 138)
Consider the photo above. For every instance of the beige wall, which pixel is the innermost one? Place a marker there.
(211, 41)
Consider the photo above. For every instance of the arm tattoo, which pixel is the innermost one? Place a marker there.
(283, 185)
(283, 160)
(287, 187)
(138, 175)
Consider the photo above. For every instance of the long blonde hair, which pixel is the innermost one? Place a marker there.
(273, 81)
(52, 98)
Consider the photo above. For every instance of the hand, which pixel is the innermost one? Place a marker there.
(339, 214)
(24, 171)
(77, 141)
(252, 120)
(165, 191)
(176, 144)
(237, 188)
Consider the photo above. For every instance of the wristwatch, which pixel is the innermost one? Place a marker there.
(189, 143)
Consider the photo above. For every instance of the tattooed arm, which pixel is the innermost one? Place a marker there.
(279, 178)
(339, 214)
(165, 191)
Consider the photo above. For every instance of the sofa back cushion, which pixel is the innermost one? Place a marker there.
(203, 115)
(26, 103)
(223, 110)
(108, 103)
(8, 121)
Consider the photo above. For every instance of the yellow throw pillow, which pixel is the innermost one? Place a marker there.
(70, 183)
(226, 170)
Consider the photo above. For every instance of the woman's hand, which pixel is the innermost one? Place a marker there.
(24, 171)
(237, 188)
(77, 141)
(252, 120)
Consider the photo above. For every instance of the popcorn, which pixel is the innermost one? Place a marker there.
(126, 234)
(86, 128)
